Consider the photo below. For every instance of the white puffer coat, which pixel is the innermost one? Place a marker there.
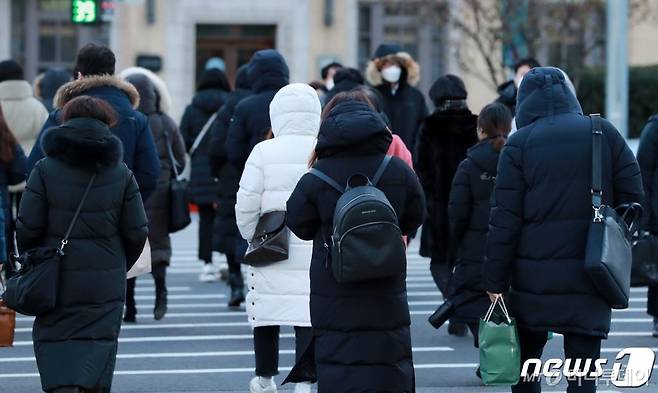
(279, 293)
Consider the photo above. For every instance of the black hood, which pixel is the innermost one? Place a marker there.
(484, 156)
(267, 70)
(148, 97)
(544, 93)
(353, 127)
(242, 79)
(452, 124)
(507, 93)
(83, 143)
(209, 100)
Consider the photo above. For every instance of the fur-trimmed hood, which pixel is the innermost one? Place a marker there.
(80, 87)
(409, 66)
(164, 97)
(83, 143)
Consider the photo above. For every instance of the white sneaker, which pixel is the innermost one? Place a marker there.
(209, 273)
(303, 387)
(256, 385)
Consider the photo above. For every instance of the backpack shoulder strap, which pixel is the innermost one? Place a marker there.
(381, 169)
(597, 135)
(320, 175)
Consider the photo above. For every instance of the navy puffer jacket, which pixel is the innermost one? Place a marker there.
(542, 210)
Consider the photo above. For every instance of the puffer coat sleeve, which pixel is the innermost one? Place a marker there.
(506, 219)
(250, 194)
(133, 223)
(17, 166)
(626, 173)
(304, 218)
(237, 138)
(411, 217)
(31, 226)
(460, 203)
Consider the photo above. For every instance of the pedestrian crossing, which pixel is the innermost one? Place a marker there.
(201, 345)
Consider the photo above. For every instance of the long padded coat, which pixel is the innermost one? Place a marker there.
(164, 132)
(647, 157)
(443, 140)
(279, 293)
(226, 236)
(539, 223)
(76, 343)
(468, 212)
(362, 338)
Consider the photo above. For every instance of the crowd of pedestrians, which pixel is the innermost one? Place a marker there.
(503, 199)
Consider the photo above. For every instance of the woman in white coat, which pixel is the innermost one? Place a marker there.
(279, 293)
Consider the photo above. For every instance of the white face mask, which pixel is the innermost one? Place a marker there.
(329, 84)
(391, 74)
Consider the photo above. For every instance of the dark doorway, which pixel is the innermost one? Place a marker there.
(233, 43)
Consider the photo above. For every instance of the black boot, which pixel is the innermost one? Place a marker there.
(159, 274)
(236, 283)
(457, 329)
(131, 309)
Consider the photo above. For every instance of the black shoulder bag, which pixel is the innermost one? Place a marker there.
(608, 254)
(33, 289)
(270, 242)
(179, 212)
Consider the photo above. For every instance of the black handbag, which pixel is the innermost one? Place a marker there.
(270, 242)
(179, 211)
(645, 260)
(608, 256)
(33, 289)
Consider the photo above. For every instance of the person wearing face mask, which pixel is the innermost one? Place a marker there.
(508, 90)
(327, 72)
(394, 73)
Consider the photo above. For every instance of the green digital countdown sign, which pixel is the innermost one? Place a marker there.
(85, 11)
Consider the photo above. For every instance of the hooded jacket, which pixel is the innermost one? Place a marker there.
(346, 79)
(542, 210)
(279, 293)
(52, 80)
(444, 138)
(207, 101)
(23, 113)
(132, 127)
(362, 339)
(165, 132)
(76, 343)
(647, 157)
(405, 107)
(468, 212)
(267, 72)
(226, 237)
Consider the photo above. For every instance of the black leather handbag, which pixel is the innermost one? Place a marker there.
(33, 289)
(645, 260)
(608, 256)
(270, 242)
(179, 210)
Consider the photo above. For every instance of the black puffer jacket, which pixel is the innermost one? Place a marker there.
(468, 211)
(164, 131)
(76, 343)
(346, 79)
(226, 235)
(267, 72)
(203, 186)
(406, 110)
(362, 340)
(539, 223)
(647, 157)
(442, 143)
(507, 95)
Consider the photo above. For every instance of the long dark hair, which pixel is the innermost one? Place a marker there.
(7, 142)
(495, 121)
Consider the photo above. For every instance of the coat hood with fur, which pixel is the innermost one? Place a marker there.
(80, 87)
(410, 69)
(295, 110)
(164, 97)
(83, 143)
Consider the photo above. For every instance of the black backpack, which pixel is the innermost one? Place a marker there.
(366, 241)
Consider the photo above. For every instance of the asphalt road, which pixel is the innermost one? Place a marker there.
(201, 346)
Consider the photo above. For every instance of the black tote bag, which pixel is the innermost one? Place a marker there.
(608, 257)
(179, 211)
(645, 260)
(33, 290)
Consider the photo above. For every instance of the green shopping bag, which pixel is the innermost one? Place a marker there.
(500, 353)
